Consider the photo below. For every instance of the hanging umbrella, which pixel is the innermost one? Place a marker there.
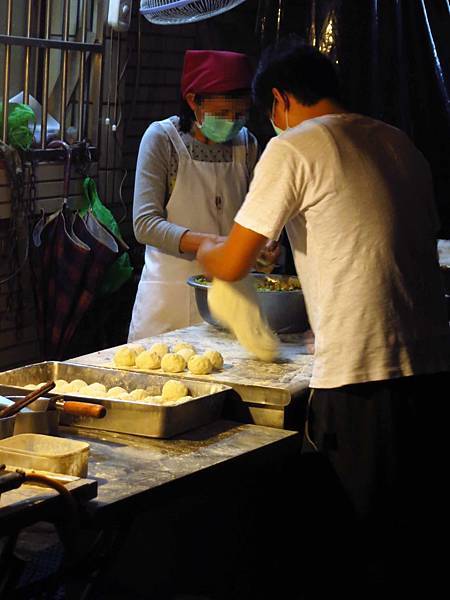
(104, 251)
(73, 261)
(62, 264)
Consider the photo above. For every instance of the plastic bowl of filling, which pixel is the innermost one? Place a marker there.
(280, 297)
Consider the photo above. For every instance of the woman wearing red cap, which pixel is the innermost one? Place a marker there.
(192, 175)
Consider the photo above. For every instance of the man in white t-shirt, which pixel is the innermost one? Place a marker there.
(356, 198)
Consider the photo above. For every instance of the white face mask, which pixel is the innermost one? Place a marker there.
(278, 130)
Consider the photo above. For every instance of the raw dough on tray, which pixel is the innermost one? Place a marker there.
(182, 345)
(160, 349)
(173, 363)
(138, 348)
(200, 365)
(186, 353)
(172, 390)
(125, 357)
(115, 391)
(138, 394)
(148, 360)
(60, 385)
(215, 357)
(76, 385)
(94, 390)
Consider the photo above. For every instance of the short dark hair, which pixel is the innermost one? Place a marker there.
(187, 117)
(292, 66)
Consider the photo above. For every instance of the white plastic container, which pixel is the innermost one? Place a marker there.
(45, 453)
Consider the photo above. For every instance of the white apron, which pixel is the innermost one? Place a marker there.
(205, 199)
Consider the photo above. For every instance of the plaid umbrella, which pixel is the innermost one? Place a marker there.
(104, 252)
(74, 256)
(63, 261)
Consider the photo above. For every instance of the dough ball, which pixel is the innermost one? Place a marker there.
(60, 385)
(173, 363)
(153, 400)
(182, 346)
(160, 349)
(87, 391)
(180, 400)
(173, 389)
(114, 392)
(186, 353)
(124, 396)
(199, 365)
(97, 389)
(138, 394)
(138, 348)
(30, 386)
(125, 357)
(147, 400)
(76, 385)
(148, 360)
(215, 357)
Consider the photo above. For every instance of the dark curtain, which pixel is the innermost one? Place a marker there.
(393, 58)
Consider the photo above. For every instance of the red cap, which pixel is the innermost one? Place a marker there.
(215, 72)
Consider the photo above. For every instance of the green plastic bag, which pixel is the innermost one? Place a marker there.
(121, 270)
(20, 117)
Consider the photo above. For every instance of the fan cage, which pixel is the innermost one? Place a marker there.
(177, 12)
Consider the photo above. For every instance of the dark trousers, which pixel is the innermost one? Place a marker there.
(383, 449)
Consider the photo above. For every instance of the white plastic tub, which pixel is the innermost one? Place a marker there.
(45, 453)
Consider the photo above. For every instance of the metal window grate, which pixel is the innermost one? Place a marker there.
(51, 52)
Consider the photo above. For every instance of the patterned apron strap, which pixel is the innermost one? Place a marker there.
(175, 138)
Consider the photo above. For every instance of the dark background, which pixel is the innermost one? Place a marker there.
(393, 59)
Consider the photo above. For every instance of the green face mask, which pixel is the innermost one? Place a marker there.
(277, 130)
(218, 129)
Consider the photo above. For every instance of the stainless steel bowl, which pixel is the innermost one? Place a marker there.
(285, 310)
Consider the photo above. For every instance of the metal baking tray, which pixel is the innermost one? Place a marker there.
(125, 416)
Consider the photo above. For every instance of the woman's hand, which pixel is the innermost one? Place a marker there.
(190, 241)
(208, 244)
(268, 256)
(231, 258)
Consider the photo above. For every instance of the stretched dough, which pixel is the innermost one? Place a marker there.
(200, 365)
(125, 357)
(173, 363)
(172, 390)
(148, 360)
(235, 305)
(215, 357)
